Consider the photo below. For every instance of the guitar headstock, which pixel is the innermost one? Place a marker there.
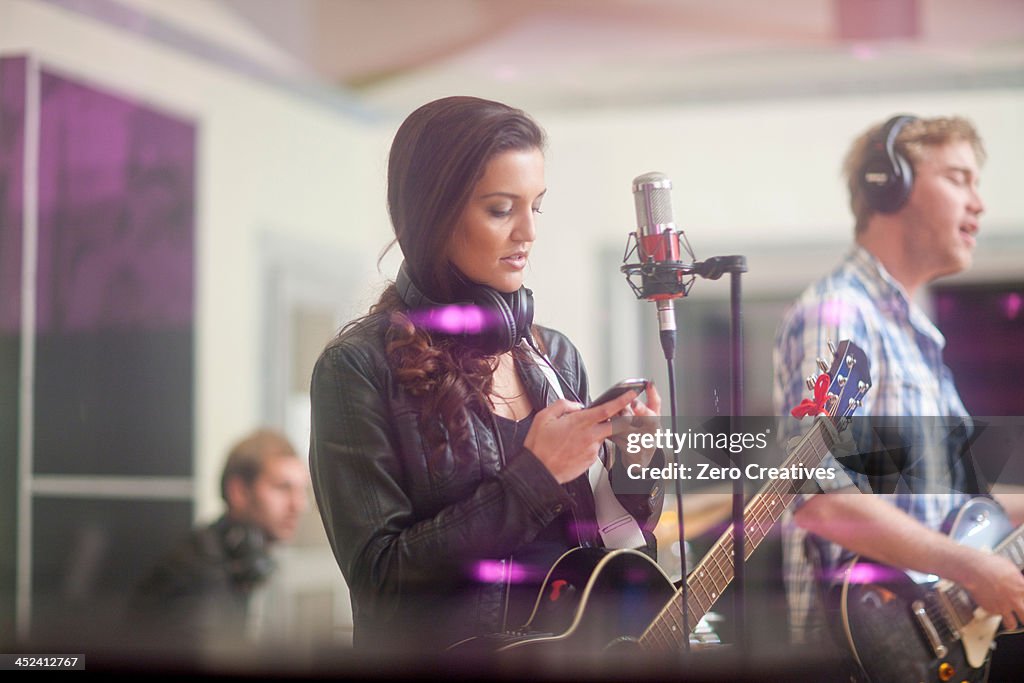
(839, 387)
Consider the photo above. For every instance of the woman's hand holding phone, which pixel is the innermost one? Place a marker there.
(566, 437)
(645, 419)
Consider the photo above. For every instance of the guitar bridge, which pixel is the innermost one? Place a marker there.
(956, 604)
(930, 632)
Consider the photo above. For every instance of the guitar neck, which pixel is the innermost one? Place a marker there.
(715, 571)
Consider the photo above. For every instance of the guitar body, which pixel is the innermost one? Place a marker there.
(591, 599)
(882, 621)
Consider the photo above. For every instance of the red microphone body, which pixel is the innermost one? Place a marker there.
(657, 244)
(657, 238)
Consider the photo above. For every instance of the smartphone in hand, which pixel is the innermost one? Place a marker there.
(637, 384)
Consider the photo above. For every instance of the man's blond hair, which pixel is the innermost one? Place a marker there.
(914, 137)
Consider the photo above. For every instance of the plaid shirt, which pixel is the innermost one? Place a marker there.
(860, 301)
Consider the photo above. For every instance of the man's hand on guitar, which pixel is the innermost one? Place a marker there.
(997, 586)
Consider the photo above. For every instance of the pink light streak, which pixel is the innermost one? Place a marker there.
(1012, 303)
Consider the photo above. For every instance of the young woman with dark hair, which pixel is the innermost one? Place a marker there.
(449, 450)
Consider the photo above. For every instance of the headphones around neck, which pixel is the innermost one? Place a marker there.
(481, 317)
(887, 176)
(246, 551)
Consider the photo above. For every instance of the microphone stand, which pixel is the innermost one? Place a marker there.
(712, 269)
(736, 266)
(657, 275)
(666, 312)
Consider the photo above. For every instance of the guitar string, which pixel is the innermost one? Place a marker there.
(673, 609)
(656, 629)
(938, 617)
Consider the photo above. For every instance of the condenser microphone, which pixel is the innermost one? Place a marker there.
(655, 226)
(662, 273)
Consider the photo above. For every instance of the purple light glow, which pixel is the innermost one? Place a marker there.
(865, 572)
(1012, 304)
(832, 312)
(493, 571)
(584, 529)
(455, 319)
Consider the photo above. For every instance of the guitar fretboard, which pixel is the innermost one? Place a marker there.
(715, 571)
(1012, 548)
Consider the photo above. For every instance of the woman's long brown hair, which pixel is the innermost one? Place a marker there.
(438, 155)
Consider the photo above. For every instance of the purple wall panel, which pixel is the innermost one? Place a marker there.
(116, 205)
(114, 352)
(113, 371)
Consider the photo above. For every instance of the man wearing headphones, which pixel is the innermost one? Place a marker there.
(913, 186)
(204, 591)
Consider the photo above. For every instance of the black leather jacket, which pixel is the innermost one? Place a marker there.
(407, 536)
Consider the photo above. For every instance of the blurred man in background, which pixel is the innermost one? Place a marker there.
(206, 590)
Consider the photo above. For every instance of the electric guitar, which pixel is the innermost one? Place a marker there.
(593, 599)
(908, 626)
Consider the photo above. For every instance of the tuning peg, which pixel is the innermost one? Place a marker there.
(850, 361)
(862, 387)
(831, 348)
(841, 379)
(822, 365)
(809, 381)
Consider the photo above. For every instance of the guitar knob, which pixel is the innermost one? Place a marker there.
(810, 383)
(946, 671)
(831, 348)
(822, 365)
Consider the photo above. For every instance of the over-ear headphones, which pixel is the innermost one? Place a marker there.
(246, 550)
(480, 317)
(887, 176)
